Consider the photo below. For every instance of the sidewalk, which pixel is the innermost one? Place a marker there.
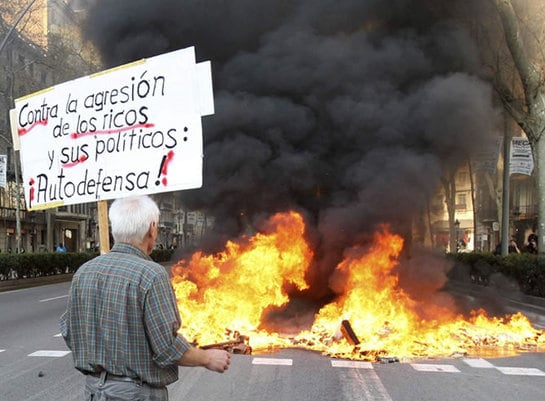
(20, 283)
(504, 299)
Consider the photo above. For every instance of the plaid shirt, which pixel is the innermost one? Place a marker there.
(122, 317)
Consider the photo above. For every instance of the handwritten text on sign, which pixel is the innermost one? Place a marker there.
(135, 129)
(521, 160)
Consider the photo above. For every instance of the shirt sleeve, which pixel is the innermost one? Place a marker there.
(162, 321)
(63, 325)
(64, 322)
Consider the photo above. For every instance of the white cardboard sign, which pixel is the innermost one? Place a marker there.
(131, 130)
(521, 161)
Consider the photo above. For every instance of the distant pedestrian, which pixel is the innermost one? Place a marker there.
(532, 243)
(60, 248)
(513, 247)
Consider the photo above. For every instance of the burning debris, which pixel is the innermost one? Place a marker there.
(348, 333)
(240, 344)
(371, 318)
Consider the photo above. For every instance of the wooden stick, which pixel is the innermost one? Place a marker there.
(348, 333)
(103, 229)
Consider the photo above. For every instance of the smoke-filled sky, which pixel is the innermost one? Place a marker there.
(349, 111)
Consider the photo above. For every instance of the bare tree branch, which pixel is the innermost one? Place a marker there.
(529, 76)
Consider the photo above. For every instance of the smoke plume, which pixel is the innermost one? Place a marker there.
(348, 111)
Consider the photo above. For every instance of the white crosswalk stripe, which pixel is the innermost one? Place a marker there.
(272, 361)
(340, 363)
(426, 367)
(478, 363)
(521, 371)
(50, 354)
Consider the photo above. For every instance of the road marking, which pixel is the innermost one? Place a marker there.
(425, 367)
(58, 335)
(478, 363)
(351, 364)
(362, 385)
(53, 299)
(272, 361)
(521, 371)
(51, 354)
(2, 350)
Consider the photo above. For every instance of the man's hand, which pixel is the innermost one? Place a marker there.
(218, 360)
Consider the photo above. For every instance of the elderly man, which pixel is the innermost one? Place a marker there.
(122, 320)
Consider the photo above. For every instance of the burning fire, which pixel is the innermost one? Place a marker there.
(228, 292)
(222, 296)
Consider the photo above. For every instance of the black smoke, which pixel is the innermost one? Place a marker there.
(349, 111)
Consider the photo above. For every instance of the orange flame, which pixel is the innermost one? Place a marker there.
(229, 293)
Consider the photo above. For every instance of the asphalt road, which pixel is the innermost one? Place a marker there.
(36, 365)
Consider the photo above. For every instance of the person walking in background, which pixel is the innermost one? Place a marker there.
(60, 248)
(122, 320)
(532, 243)
(513, 247)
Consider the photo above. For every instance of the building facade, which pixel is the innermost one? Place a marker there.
(35, 56)
(478, 208)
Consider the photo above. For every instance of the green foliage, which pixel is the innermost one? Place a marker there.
(528, 270)
(27, 265)
(162, 255)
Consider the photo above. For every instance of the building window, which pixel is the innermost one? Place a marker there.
(438, 204)
(462, 178)
(461, 202)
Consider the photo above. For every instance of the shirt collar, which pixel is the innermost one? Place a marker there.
(129, 249)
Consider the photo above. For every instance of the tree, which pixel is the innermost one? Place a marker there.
(448, 181)
(32, 60)
(523, 92)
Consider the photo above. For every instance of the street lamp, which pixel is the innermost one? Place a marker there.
(32, 217)
(457, 225)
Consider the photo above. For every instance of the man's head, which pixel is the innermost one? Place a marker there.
(134, 221)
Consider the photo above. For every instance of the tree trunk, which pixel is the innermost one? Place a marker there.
(539, 156)
(449, 186)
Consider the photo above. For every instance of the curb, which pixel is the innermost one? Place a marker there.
(21, 283)
(512, 300)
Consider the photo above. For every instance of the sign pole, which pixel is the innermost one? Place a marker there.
(103, 229)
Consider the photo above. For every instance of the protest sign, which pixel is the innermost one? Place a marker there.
(131, 130)
(3, 170)
(484, 158)
(521, 161)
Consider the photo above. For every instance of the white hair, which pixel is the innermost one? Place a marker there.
(130, 218)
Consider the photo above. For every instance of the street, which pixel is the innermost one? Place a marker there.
(36, 365)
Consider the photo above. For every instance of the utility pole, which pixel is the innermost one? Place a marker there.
(505, 192)
(18, 205)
